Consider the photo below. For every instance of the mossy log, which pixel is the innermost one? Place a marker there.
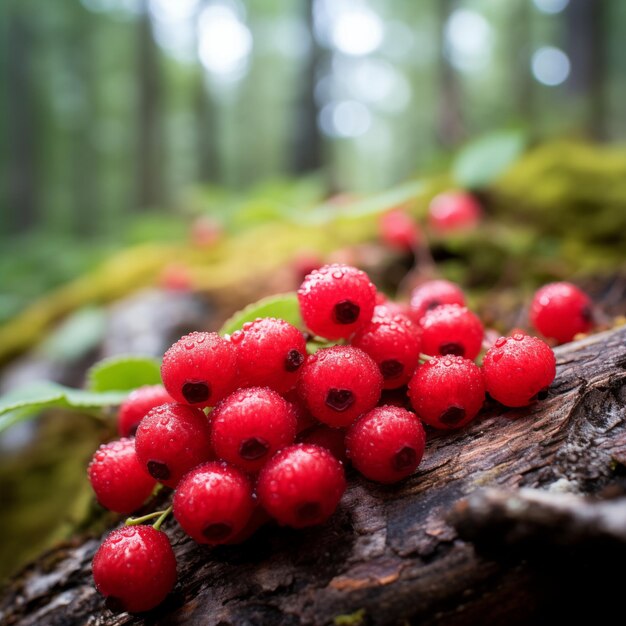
(508, 521)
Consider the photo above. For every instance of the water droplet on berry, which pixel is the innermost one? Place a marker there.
(337, 274)
(500, 342)
(237, 336)
(189, 345)
(518, 337)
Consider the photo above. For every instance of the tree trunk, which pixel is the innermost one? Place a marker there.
(150, 180)
(22, 165)
(438, 548)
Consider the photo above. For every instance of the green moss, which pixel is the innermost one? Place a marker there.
(354, 619)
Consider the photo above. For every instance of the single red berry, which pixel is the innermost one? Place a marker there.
(250, 425)
(206, 231)
(333, 439)
(447, 392)
(270, 353)
(386, 444)
(340, 383)
(301, 485)
(119, 481)
(134, 568)
(454, 210)
(389, 307)
(399, 230)
(393, 341)
(434, 293)
(336, 300)
(518, 370)
(560, 311)
(200, 369)
(176, 277)
(171, 440)
(137, 405)
(213, 503)
(451, 329)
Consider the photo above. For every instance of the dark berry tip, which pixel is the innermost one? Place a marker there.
(309, 511)
(253, 448)
(587, 314)
(293, 360)
(391, 368)
(452, 415)
(405, 457)
(114, 604)
(159, 470)
(346, 312)
(432, 304)
(196, 392)
(218, 531)
(455, 349)
(339, 399)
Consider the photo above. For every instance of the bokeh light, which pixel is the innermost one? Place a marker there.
(550, 66)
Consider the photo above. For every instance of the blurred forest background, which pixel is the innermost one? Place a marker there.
(119, 115)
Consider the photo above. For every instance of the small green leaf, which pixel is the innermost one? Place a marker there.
(124, 373)
(26, 402)
(480, 162)
(284, 306)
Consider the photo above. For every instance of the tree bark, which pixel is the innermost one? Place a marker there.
(506, 522)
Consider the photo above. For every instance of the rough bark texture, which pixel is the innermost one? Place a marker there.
(424, 551)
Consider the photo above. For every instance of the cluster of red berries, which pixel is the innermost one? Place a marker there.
(252, 424)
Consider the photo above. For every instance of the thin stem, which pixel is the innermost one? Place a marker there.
(134, 521)
(425, 357)
(164, 514)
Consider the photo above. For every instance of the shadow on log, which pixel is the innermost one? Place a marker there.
(508, 521)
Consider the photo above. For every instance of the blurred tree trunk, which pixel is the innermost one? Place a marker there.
(450, 128)
(206, 133)
(150, 178)
(84, 158)
(22, 168)
(307, 146)
(587, 49)
(520, 45)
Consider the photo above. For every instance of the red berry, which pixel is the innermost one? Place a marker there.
(454, 210)
(250, 425)
(340, 383)
(206, 231)
(434, 293)
(394, 343)
(200, 369)
(171, 440)
(301, 485)
(270, 353)
(134, 568)
(119, 481)
(138, 403)
(399, 230)
(386, 444)
(447, 392)
(451, 329)
(333, 439)
(213, 503)
(176, 277)
(561, 311)
(336, 300)
(518, 370)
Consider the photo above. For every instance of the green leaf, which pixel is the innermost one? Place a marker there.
(284, 306)
(26, 402)
(480, 162)
(124, 373)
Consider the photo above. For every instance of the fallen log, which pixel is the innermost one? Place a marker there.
(507, 521)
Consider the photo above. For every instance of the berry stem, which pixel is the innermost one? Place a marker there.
(424, 358)
(134, 521)
(164, 514)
